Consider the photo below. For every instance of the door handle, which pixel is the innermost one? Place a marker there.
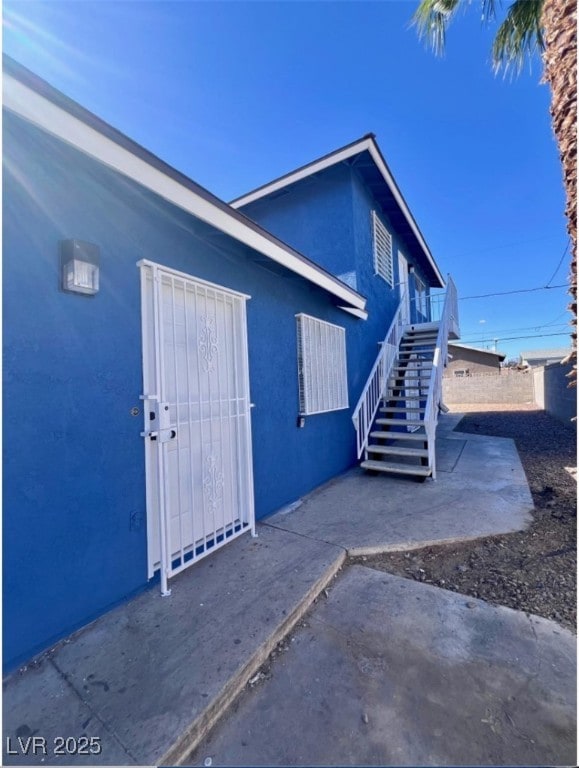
(164, 435)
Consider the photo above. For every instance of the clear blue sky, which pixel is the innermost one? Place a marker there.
(234, 94)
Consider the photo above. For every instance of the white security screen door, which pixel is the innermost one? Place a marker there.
(197, 418)
(404, 291)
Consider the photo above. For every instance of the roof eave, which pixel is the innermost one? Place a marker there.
(367, 143)
(34, 100)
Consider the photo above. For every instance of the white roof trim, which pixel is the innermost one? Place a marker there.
(476, 349)
(361, 313)
(338, 157)
(36, 108)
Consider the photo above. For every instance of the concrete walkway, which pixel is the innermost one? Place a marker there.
(481, 490)
(388, 671)
(150, 678)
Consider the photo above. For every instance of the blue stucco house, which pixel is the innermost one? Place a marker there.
(176, 367)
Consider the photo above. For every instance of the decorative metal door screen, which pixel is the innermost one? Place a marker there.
(197, 418)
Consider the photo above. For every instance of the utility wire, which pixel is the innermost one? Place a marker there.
(554, 322)
(511, 338)
(509, 293)
(558, 265)
(539, 327)
(505, 246)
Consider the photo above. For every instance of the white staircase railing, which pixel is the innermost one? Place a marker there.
(365, 410)
(448, 322)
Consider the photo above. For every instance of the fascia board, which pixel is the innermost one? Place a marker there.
(477, 349)
(329, 160)
(361, 313)
(389, 179)
(41, 111)
(301, 173)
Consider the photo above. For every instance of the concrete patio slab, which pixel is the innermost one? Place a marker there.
(393, 672)
(154, 674)
(40, 710)
(481, 490)
(152, 677)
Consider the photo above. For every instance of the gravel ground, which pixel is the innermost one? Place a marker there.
(535, 570)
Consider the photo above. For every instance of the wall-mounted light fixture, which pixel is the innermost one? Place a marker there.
(80, 266)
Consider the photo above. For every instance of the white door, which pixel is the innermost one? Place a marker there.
(404, 291)
(197, 418)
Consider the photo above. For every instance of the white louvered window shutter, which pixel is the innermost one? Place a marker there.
(382, 251)
(322, 372)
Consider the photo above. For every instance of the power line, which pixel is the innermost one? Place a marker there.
(538, 327)
(505, 245)
(559, 264)
(512, 338)
(554, 322)
(509, 293)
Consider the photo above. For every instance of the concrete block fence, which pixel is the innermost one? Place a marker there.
(504, 388)
(546, 386)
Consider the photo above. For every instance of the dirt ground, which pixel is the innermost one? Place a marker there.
(535, 570)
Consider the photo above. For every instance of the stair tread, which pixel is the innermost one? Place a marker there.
(395, 409)
(380, 435)
(401, 422)
(399, 397)
(418, 382)
(398, 450)
(394, 467)
(411, 370)
(420, 337)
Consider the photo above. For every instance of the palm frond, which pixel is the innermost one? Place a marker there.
(519, 36)
(489, 10)
(431, 19)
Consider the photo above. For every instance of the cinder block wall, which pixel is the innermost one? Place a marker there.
(514, 387)
(552, 391)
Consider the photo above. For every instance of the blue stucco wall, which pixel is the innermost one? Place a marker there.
(74, 478)
(315, 217)
(372, 286)
(329, 218)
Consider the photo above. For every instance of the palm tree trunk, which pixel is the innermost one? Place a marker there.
(559, 21)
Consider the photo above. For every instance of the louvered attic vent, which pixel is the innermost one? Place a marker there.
(382, 251)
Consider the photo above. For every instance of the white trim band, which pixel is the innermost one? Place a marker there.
(41, 111)
(364, 144)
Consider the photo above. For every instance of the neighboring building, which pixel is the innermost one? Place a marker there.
(469, 361)
(537, 357)
(173, 370)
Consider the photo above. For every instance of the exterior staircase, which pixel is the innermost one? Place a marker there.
(397, 413)
(398, 442)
